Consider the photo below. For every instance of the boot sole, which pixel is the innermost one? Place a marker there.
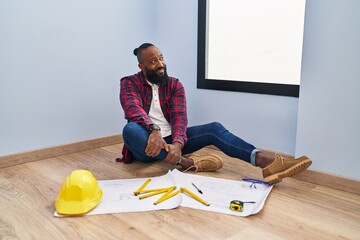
(294, 170)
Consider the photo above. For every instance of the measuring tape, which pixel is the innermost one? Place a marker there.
(237, 205)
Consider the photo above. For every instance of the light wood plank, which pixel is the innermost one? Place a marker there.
(295, 209)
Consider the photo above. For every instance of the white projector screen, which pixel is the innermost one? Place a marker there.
(251, 43)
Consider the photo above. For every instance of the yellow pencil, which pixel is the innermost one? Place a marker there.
(167, 197)
(154, 193)
(193, 195)
(142, 186)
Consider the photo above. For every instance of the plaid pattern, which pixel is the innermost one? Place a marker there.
(135, 98)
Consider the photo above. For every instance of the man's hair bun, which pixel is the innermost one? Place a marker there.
(136, 51)
(142, 46)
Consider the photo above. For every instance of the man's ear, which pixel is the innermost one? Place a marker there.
(141, 66)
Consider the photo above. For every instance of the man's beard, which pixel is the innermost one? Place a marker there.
(155, 79)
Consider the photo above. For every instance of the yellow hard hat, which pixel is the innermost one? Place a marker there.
(79, 193)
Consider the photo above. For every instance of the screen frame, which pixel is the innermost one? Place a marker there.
(229, 85)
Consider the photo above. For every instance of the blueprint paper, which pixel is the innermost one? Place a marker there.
(118, 195)
(220, 192)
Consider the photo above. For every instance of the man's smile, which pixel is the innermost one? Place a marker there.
(160, 71)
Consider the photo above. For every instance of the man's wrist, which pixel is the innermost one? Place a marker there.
(178, 145)
(154, 127)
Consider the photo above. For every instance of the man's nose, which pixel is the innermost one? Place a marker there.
(160, 63)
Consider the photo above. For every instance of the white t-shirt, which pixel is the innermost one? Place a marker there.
(156, 115)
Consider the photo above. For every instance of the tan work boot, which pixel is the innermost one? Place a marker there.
(207, 163)
(284, 167)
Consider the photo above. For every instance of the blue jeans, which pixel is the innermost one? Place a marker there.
(135, 139)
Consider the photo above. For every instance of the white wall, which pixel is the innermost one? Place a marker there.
(329, 107)
(60, 65)
(267, 121)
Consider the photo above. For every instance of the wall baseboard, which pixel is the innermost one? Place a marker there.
(35, 155)
(311, 176)
(330, 180)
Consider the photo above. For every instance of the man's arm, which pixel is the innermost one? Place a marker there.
(132, 103)
(178, 120)
(178, 113)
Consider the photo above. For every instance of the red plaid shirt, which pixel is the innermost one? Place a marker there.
(135, 98)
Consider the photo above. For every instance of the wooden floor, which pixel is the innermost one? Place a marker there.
(295, 209)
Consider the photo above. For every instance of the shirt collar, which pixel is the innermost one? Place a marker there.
(142, 78)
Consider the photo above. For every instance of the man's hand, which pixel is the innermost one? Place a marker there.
(174, 152)
(155, 144)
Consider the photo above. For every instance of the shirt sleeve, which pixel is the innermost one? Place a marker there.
(178, 113)
(131, 102)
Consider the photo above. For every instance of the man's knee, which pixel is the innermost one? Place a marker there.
(130, 127)
(132, 131)
(217, 125)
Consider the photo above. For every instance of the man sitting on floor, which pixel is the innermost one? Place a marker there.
(155, 107)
